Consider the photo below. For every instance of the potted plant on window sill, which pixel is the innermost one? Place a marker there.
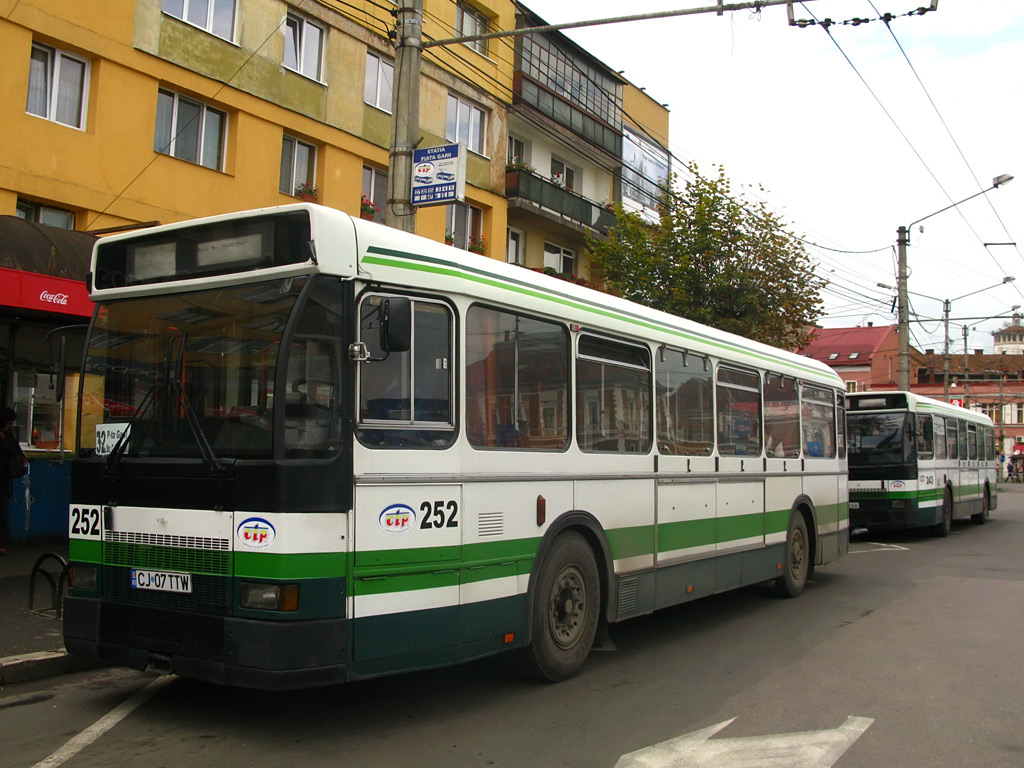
(367, 210)
(449, 238)
(306, 191)
(478, 245)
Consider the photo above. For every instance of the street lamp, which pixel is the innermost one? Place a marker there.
(902, 241)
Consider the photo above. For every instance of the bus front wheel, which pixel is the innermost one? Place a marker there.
(796, 564)
(565, 611)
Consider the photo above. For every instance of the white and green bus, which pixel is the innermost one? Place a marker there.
(916, 462)
(314, 449)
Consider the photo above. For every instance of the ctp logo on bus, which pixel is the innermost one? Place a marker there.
(398, 518)
(256, 533)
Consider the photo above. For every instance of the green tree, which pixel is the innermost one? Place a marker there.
(717, 259)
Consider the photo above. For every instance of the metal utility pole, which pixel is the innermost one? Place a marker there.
(903, 313)
(945, 350)
(405, 122)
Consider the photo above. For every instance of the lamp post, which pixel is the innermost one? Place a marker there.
(903, 310)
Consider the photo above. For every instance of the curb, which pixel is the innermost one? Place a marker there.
(33, 666)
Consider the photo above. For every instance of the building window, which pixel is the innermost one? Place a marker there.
(515, 249)
(189, 130)
(851, 386)
(562, 260)
(563, 175)
(57, 86)
(375, 189)
(215, 16)
(379, 85)
(468, 22)
(466, 123)
(516, 155)
(44, 214)
(645, 170)
(303, 46)
(465, 224)
(298, 165)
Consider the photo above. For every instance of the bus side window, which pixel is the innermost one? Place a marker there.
(939, 436)
(781, 417)
(952, 451)
(405, 399)
(819, 423)
(685, 404)
(924, 437)
(738, 412)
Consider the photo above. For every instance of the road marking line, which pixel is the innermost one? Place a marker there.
(104, 724)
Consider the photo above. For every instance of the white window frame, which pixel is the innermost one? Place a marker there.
(309, 177)
(517, 151)
(555, 256)
(566, 178)
(175, 130)
(300, 30)
(383, 71)
(515, 246)
(375, 188)
(209, 23)
(471, 21)
(55, 59)
(474, 224)
(475, 139)
(37, 212)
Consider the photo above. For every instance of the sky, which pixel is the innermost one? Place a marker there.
(852, 137)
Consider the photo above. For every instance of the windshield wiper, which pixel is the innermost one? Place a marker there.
(147, 401)
(208, 455)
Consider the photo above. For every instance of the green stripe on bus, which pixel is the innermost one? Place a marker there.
(85, 551)
(431, 265)
(686, 534)
(264, 565)
(631, 542)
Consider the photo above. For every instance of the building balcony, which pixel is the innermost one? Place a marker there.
(528, 190)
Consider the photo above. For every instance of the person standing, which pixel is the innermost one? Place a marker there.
(12, 464)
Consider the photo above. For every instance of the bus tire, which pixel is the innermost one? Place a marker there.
(566, 605)
(986, 509)
(943, 528)
(796, 563)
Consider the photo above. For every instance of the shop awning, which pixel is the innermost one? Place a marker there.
(43, 268)
(44, 293)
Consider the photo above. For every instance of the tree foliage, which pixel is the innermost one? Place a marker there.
(717, 259)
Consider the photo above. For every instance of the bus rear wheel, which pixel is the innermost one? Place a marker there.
(943, 528)
(796, 564)
(986, 509)
(566, 604)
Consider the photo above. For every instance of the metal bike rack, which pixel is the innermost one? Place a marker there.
(56, 587)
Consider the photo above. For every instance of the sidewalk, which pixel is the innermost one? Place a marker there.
(31, 642)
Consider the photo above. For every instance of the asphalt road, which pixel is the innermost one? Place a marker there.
(919, 640)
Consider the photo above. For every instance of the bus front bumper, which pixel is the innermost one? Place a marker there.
(882, 515)
(271, 655)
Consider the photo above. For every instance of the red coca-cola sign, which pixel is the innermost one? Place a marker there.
(45, 293)
(54, 298)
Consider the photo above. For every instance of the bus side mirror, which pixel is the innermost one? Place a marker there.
(396, 324)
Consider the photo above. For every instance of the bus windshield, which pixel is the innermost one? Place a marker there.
(879, 438)
(186, 375)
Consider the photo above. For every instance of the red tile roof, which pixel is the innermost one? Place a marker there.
(862, 343)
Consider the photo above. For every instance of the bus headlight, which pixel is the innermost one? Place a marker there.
(83, 577)
(270, 597)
